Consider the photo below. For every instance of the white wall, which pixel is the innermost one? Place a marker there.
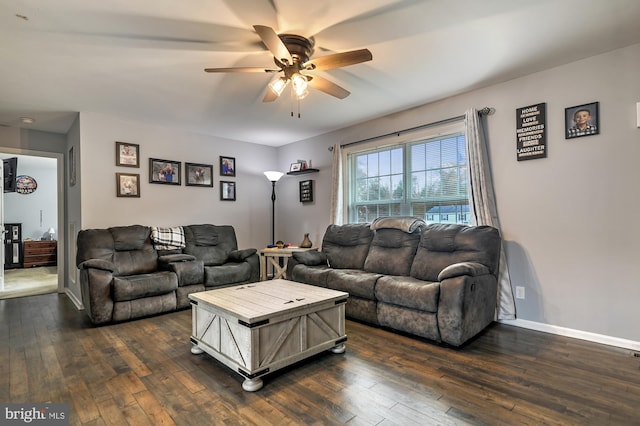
(568, 221)
(169, 205)
(28, 209)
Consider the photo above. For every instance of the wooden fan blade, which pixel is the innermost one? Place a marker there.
(274, 44)
(328, 87)
(338, 60)
(241, 69)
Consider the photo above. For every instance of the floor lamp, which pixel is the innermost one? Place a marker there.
(273, 177)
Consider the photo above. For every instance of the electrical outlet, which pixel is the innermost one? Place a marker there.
(519, 292)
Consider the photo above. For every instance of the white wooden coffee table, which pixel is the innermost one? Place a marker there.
(261, 327)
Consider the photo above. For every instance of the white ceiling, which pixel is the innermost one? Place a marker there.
(143, 60)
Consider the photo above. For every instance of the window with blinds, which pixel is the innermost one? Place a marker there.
(425, 178)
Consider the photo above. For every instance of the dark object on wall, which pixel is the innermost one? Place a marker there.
(164, 171)
(531, 132)
(10, 171)
(12, 245)
(582, 120)
(306, 191)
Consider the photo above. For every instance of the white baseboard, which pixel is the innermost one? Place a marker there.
(576, 334)
(74, 299)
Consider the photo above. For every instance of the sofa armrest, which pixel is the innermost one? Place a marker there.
(96, 291)
(241, 255)
(189, 272)
(467, 304)
(103, 264)
(166, 259)
(473, 269)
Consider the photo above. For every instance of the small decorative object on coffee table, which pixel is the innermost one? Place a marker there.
(262, 327)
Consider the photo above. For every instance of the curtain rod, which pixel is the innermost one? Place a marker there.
(483, 111)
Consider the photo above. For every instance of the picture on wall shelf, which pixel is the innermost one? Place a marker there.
(295, 167)
(198, 174)
(127, 154)
(306, 191)
(164, 171)
(227, 191)
(582, 120)
(227, 166)
(127, 185)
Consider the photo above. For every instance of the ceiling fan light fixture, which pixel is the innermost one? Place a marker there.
(299, 84)
(278, 85)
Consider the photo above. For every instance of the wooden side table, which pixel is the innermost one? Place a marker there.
(272, 256)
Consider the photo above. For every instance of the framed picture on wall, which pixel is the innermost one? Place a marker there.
(198, 174)
(127, 154)
(227, 166)
(164, 171)
(582, 120)
(127, 185)
(306, 191)
(227, 191)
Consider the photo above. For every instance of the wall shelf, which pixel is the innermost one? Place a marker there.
(303, 172)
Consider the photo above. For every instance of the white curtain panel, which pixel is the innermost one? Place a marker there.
(483, 204)
(337, 204)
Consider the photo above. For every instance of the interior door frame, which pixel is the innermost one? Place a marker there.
(60, 185)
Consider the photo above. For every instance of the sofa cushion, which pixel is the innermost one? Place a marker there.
(347, 246)
(403, 223)
(315, 275)
(145, 285)
(210, 243)
(129, 237)
(391, 252)
(310, 258)
(442, 245)
(409, 292)
(353, 281)
(229, 273)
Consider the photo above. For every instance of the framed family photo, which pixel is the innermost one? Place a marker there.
(227, 166)
(164, 171)
(198, 174)
(227, 191)
(127, 185)
(127, 154)
(582, 120)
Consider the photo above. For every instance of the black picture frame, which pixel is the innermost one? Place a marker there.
(227, 166)
(227, 190)
(127, 154)
(166, 172)
(306, 191)
(196, 174)
(128, 185)
(592, 126)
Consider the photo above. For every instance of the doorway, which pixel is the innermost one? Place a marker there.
(34, 212)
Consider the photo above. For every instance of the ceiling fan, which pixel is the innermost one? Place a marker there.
(291, 55)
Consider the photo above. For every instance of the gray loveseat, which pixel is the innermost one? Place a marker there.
(437, 281)
(129, 272)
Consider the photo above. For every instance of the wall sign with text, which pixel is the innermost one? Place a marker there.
(531, 132)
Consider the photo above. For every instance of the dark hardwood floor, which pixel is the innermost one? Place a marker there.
(142, 372)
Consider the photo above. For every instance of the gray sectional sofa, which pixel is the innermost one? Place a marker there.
(134, 271)
(437, 281)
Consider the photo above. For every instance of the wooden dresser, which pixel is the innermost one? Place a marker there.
(40, 253)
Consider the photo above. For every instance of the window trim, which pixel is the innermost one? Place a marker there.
(388, 142)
